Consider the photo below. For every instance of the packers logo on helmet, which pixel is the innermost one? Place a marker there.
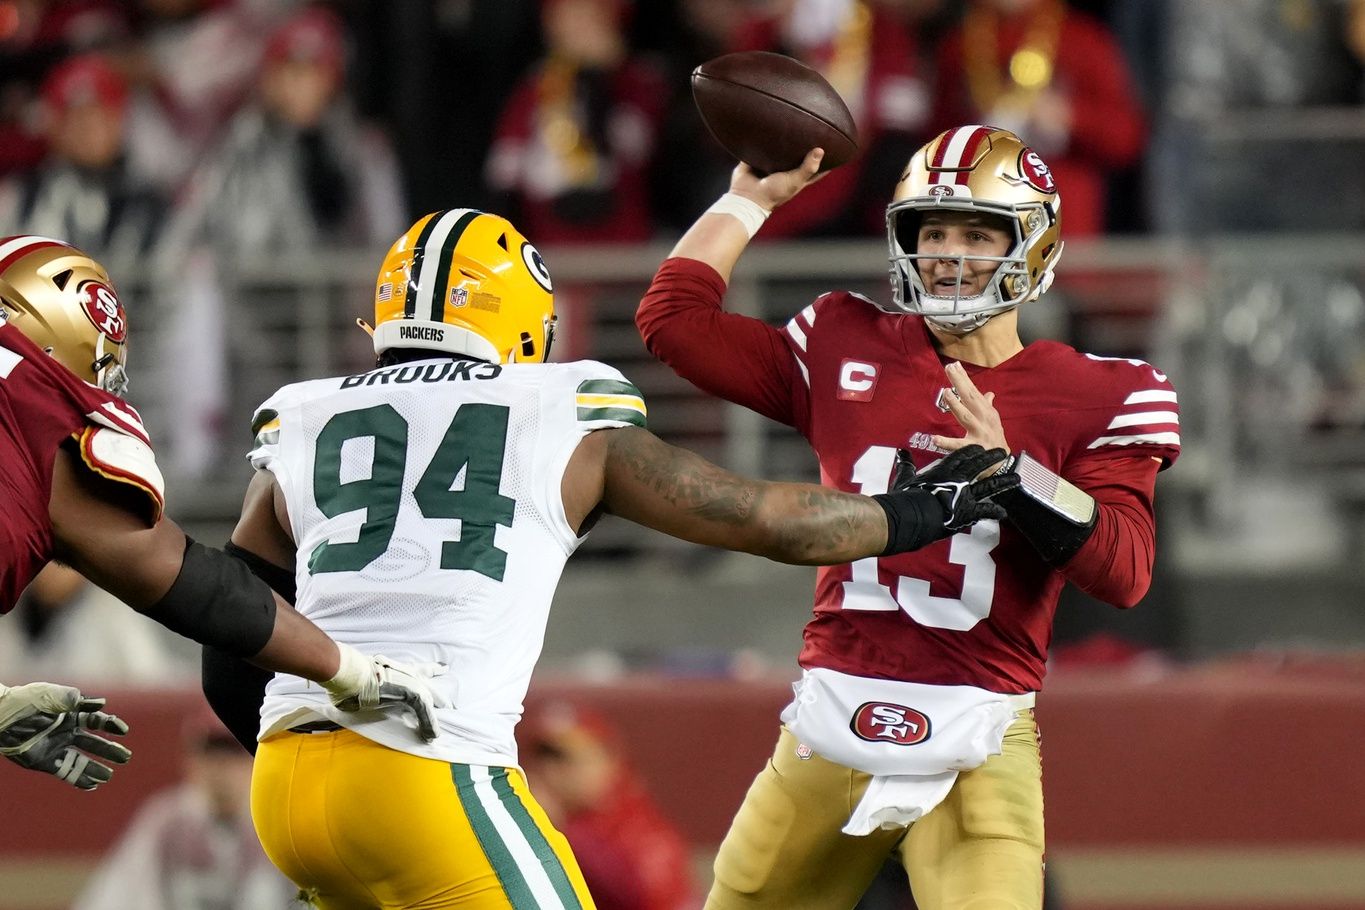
(465, 282)
(65, 303)
(976, 169)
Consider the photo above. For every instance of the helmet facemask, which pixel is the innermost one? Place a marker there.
(1009, 285)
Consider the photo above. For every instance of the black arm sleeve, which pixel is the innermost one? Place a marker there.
(280, 579)
(215, 600)
(234, 688)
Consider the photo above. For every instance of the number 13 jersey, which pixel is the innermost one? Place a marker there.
(424, 499)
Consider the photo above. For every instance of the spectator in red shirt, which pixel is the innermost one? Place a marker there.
(631, 856)
(1056, 77)
(573, 144)
(872, 59)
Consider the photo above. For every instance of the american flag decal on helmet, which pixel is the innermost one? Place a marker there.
(385, 291)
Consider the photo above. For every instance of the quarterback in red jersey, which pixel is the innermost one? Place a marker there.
(80, 484)
(912, 731)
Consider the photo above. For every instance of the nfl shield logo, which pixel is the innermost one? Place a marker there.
(458, 297)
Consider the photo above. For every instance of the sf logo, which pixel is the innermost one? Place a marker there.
(1036, 171)
(885, 722)
(103, 308)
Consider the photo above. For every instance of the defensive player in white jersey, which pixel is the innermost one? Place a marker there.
(425, 509)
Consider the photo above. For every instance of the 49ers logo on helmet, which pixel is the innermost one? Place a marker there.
(884, 722)
(1035, 170)
(104, 309)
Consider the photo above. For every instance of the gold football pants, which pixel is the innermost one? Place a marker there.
(358, 825)
(980, 849)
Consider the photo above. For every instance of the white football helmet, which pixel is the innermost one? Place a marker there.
(990, 171)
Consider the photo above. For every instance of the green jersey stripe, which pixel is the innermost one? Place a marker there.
(514, 884)
(544, 852)
(607, 387)
(625, 415)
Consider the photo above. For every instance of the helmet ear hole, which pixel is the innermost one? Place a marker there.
(61, 278)
(907, 230)
(528, 345)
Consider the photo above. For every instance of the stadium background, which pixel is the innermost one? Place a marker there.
(1200, 751)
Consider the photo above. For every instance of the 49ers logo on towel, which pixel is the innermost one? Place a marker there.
(104, 309)
(883, 722)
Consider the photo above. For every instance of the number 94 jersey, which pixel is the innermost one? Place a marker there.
(425, 502)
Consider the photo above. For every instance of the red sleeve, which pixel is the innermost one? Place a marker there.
(738, 358)
(1115, 564)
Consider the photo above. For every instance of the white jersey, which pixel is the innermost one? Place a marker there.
(425, 501)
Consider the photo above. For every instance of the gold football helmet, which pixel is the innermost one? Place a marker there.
(64, 302)
(976, 169)
(465, 282)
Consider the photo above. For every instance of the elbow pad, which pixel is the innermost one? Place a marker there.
(217, 601)
(1055, 516)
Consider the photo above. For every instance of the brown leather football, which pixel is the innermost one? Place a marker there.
(769, 110)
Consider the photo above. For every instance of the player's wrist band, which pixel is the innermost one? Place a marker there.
(750, 213)
(1054, 515)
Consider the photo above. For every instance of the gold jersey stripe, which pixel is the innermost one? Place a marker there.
(612, 401)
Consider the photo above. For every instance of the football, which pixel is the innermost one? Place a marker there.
(768, 110)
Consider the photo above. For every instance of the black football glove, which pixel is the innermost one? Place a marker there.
(46, 727)
(946, 497)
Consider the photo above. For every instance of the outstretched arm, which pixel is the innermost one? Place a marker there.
(634, 474)
(104, 539)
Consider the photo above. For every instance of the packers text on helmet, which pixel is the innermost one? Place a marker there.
(465, 282)
(990, 171)
(64, 302)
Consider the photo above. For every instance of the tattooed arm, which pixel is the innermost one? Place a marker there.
(632, 473)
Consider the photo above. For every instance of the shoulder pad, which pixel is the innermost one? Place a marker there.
(124, 459)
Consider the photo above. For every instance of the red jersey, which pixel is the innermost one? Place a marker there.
(42, 404)
(975, 609)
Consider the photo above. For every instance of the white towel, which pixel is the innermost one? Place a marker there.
(898, 800)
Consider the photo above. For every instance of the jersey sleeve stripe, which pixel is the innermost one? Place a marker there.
(1139, 438)
(805, 373)
(621, 415)
(608, 387)
(1144, 417)
(1150, 396)
(809, 313)
(797, 334)
(612, 401)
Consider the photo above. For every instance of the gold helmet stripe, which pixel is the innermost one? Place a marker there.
(435, 268)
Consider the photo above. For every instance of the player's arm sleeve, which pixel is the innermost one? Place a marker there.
(735, 357)
(1115, 564)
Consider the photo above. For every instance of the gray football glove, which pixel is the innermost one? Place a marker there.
(50, 728)
(367, 683)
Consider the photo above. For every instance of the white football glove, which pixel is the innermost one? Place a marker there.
(365, 683)
(46, 727)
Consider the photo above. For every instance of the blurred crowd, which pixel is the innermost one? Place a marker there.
(255, 127)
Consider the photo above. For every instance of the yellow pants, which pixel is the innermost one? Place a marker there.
(980, 849)
(357, 825)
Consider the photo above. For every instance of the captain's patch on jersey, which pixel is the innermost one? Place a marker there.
(610, 399)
